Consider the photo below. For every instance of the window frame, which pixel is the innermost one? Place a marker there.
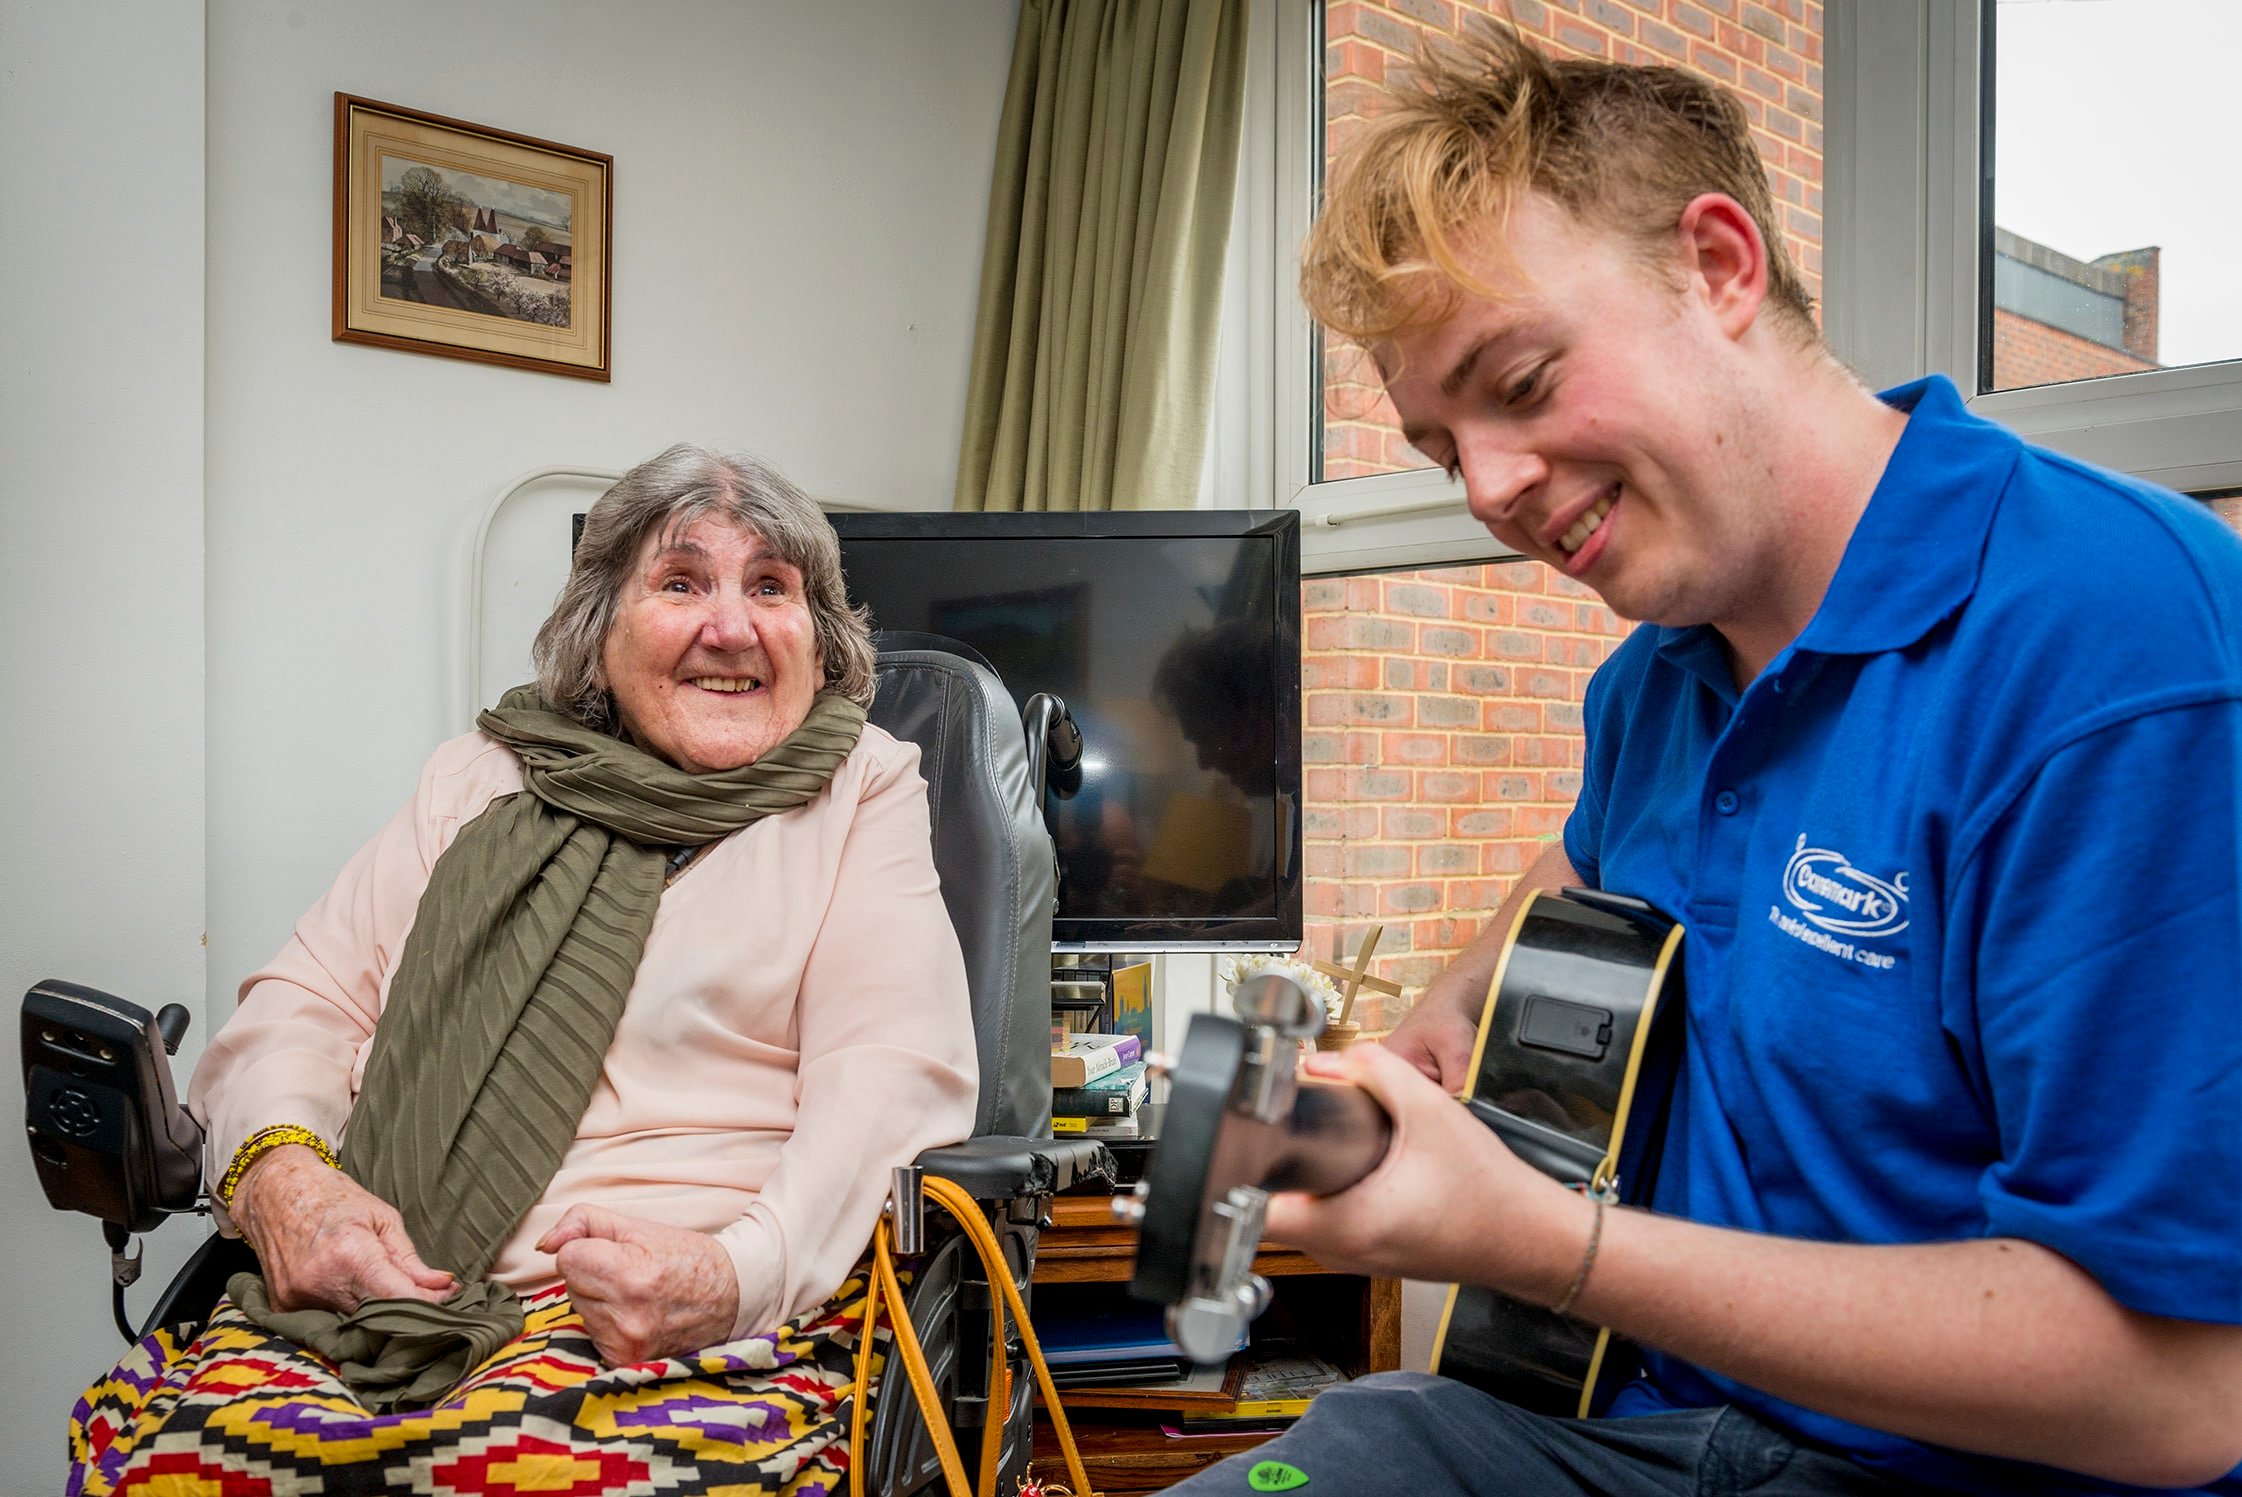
(1390, 521)
(1907, 115)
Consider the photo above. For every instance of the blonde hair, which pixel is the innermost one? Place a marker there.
(1491, 117)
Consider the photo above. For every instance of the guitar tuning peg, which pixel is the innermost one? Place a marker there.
(1141, 1189)
(1272, 1001)
(1158, 1063)
(1128, 1210)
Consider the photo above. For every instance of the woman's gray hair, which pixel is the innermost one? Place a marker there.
(661, 496)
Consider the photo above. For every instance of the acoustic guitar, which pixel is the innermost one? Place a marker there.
(1574, 1063)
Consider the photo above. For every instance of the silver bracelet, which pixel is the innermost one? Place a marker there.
(1587, 1259)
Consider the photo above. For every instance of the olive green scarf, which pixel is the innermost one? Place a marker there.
(511, 984)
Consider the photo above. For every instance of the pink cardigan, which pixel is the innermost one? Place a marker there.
(798, 1026)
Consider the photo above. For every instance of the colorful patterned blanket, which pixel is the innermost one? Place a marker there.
(241, 1413)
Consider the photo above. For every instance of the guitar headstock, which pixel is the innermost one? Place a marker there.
(1239, 1123)
(1201, 1196)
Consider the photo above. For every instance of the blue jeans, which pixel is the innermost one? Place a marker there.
(1415, 1435)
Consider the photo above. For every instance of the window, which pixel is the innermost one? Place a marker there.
(1769, 54)
(1906, 261)
(2110, 249)
(1927, 267)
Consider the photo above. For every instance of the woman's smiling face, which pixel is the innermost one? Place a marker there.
(713, 656)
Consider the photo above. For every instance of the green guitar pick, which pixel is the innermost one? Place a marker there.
(1275, 1476)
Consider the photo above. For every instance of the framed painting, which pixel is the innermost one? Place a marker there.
(470, 243)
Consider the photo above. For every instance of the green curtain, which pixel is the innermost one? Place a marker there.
(1109, 214)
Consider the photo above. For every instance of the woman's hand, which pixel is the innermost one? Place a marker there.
(325, 1242)
(646, 1290)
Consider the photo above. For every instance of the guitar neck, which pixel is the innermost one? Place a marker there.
(1334, 1135)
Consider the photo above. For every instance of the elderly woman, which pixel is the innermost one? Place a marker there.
(631, 1009)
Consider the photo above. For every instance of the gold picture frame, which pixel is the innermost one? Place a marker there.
(467, 242)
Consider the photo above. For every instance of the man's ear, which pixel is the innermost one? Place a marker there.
(1723, 259)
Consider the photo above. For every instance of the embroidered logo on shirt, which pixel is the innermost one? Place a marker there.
(1833, 898)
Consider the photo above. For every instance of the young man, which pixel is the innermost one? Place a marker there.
(1954, 1201)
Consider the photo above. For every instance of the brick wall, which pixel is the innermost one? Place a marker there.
(1442, 708)
(1769, 54)
(2027, 352)
(1442, 747)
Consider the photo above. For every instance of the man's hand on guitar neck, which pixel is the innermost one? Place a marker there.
(1511, 1228)
(1438, 1034)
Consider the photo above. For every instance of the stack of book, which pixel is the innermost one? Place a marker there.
(1111, 1362)
(1268, 1386)
(1098, 1083)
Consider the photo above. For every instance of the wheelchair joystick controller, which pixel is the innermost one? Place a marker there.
(171, 1026)
(107, 1134)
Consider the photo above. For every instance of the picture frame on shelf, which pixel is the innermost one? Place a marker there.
(469, 242)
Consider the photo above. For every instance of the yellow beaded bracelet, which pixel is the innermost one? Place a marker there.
(263, 1142)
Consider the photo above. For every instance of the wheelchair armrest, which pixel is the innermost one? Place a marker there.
(1002, 1167)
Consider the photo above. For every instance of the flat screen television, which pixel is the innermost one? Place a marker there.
(1174, 639)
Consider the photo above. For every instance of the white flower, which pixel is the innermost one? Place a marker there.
(1236, 969)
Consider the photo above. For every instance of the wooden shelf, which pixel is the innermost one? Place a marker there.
(1356, 1323)
(1084, 1245)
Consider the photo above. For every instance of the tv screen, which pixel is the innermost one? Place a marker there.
(1174, 639)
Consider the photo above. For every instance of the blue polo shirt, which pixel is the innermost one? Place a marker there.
(1962, 877)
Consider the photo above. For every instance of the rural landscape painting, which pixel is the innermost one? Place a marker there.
(470, 242)
(479, 244)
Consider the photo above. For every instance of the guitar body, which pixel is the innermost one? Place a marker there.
(1573, 1067)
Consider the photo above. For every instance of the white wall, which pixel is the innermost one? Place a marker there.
(800, 190)
(101, 596)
